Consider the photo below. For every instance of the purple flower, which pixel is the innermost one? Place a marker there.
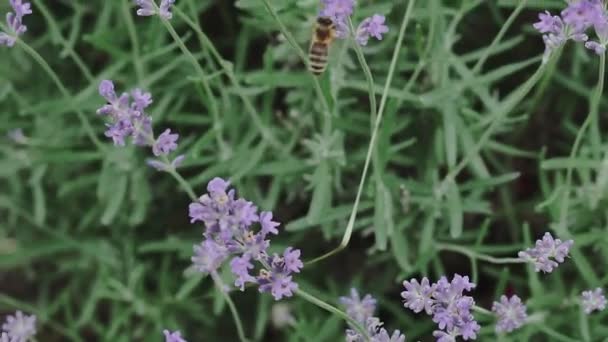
(547, 253)
(165, 143)
(511, 313)
(173, 336)
(357, 308)
(268, 225)
(443, 336)
(15, 22)
(595, 47)
(253, 246)
(418, 296)
(148, 8)
(165, 9)
(20, 327)
(582, 14)
(209, 256)
(240, 267)
(337, 8)
(128, 119)
(549, 23)
(446, 302)
(229, 229)
(383, 336)
(371, 27)
(593, 300)
(278, 284)
(291, 259)
(141, 99)
(277, 280)
(119, 131)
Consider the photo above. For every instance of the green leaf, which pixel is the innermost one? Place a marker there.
(455, 211)
(321, 196)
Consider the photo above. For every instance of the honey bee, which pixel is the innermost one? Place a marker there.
(323, 35)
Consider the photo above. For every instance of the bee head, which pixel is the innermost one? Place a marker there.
(325, 21)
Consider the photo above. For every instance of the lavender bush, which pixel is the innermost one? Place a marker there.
(170, 171)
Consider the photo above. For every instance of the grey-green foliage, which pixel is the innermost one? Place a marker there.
(97, 244)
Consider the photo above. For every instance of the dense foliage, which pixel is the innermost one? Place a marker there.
(432, 156)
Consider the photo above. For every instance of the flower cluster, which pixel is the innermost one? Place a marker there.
(229, 232)
(175, 336)
(593, 300)
(573, 24)
(511, 313)
(149, 7)
(362, 311)
(14, 21)
(340, 10)
(128, 119)
(18, 328)
(444, 300)
(547, 253)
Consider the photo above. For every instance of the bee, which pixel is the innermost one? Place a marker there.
(323, 35)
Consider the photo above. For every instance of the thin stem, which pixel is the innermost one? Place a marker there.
(593, 111)
(372, 143)
(137, 63)
(206, 88)
(64, 91)
(184, 184)
(228, 70)
(235, 314)
(302, 54)
(482, 310)
(318, 302)
(474, 255)
(499, 36)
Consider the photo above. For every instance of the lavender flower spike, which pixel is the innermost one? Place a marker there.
(173, 336)
(418, 296)
(165, 143)
(371, 27)
(148, 8)
(14, 21)
(20, 327)
(511, 313)
(593, 300)
(547, 253)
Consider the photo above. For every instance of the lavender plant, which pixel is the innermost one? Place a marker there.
(444, 139)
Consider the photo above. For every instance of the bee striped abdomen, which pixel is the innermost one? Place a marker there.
(323, 35)
(317, 57)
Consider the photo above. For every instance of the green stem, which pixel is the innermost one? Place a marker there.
(318, 302)
(593, 114)
(217, 126)
(228, 70)
(137, 63)
(64, 91)
(474, 255)
(184, 184)
(235, 314)
(378, 118)
(300, 52)
(499, 36)
(482, 310)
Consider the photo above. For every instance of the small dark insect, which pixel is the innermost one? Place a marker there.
(323, 35)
